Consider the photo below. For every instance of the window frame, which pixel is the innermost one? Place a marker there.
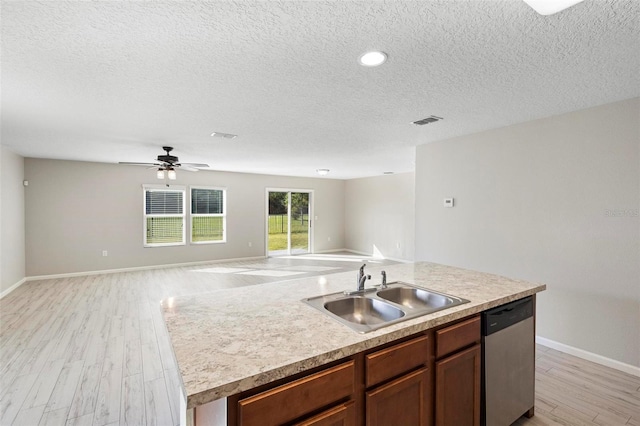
(163, 188)
(223, 215)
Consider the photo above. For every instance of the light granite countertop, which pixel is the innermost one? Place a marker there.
(228, 341)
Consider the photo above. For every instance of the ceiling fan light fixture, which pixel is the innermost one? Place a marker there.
(372, 59)
(160, 174)
(549, 7)
(171, 174)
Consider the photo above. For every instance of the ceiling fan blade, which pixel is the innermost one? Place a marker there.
(198, 165)
(188, 168)
(126, 163)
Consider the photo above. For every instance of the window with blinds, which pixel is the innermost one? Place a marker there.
(208, 215)
(164, 216)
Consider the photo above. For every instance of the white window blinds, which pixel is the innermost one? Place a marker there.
(164, 202)
(164, 218)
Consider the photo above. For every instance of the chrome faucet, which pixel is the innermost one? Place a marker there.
(362, 278)
(384, 279)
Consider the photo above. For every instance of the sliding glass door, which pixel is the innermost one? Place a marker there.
(288, 222)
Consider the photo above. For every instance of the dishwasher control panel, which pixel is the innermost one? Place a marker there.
(499, 318)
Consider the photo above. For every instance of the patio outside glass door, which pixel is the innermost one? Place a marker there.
(288, 223)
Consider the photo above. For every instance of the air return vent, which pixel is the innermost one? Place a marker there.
(223, 135)
(430, 119)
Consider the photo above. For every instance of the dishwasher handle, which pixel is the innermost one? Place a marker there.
(499, 318)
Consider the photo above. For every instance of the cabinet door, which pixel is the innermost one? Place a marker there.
(458, 389)
(342, 415)
(400, 402)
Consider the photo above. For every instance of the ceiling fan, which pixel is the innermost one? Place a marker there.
(168, 163)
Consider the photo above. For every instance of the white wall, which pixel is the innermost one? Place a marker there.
(535, 201)
(12, 239)
(75, 210)
(379, 215)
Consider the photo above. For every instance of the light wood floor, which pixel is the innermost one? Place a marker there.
(93, 350)
(572, 391)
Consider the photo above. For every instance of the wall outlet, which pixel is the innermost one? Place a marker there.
(105, 253)
(250, 244)
(448, 202)
(398, 245)
(328, 238)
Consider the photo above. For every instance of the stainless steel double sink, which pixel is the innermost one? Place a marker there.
(374, 308)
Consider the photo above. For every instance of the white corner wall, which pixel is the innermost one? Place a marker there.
(379, 215)
(555, 201)
(12, 238)
(75, 210)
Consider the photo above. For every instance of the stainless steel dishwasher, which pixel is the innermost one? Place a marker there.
(508, 366)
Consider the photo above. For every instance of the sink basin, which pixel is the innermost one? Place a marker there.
(415, 298)
(374, 308)
(363, 310)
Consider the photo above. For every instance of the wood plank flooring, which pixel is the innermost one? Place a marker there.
(571, 391)
(93, 350)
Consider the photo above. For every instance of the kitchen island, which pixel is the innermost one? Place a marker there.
(228, 342)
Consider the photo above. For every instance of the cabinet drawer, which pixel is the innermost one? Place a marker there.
(396, 360)
(295, 399)
(457, 336)
(342, 415)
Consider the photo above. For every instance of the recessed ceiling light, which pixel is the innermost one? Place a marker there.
(372, 59)
(322, 172)
(549, 7)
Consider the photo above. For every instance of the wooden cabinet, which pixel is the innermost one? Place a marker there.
(457, 371)
(397, 379)
(298, 398)
(403, 401)
(429, 378)
(391, 385)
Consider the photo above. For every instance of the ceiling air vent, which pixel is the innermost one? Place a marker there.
(430, 119)
(223, 135)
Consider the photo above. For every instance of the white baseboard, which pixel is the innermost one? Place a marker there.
(328, 251)
(395, 259)
(342, 250)
(590, 356)
(13, 287)
(361, 253)
(138, 268)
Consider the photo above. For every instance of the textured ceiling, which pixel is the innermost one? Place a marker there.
(114, 81)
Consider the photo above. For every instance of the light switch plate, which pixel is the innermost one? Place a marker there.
(448, 202)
